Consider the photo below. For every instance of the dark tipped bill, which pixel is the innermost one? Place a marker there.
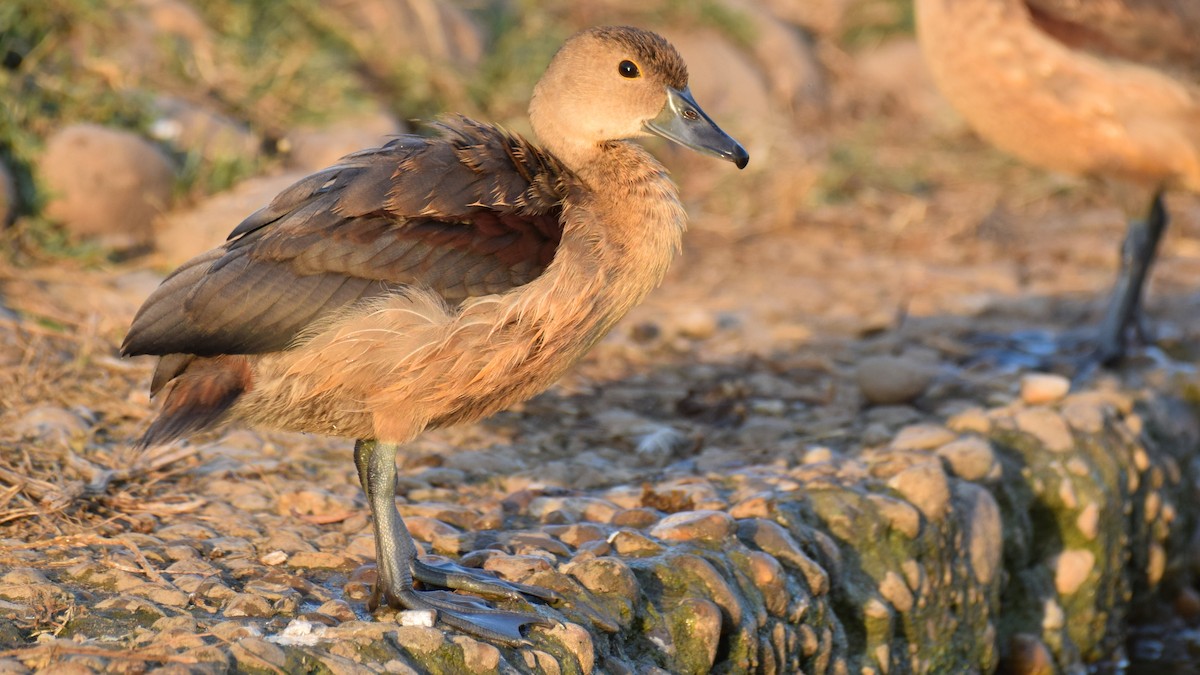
(682, 121)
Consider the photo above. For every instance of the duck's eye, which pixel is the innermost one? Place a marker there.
(629, 69)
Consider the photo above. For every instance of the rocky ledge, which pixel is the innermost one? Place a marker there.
(1029, 529)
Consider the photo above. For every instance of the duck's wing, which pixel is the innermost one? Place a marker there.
(470, 212)
(1160, 33)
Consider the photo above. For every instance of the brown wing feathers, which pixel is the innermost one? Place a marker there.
(472, 212)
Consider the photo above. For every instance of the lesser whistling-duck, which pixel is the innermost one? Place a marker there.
(1108, 89)
(434, 281)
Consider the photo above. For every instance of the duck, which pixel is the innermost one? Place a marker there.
(1106, 90)
(434, 281)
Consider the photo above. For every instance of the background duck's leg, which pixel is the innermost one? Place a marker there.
(396, 558)
(1137, 256)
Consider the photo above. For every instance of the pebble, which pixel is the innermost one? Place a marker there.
(634, 544)
(605, 576)
(1084, 416)
(922, 437)
(1043, 388)
(926, 486)
(105, 185)
(707, 526)
(895, 591)
(768, 576)
(577, 641)
(985, 531)
(902, 516)
(696, 324)
(478, 657)
(1088, 521)
(889, 380)
(1071, 568)
(318, 560)
(1048, 427)
(1028, 655)
(971, 458)
(50, 423)
(970, 420)
(246, 604)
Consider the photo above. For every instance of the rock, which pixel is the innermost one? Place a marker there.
(1071, 569)
(706, 526)
(184, 234)
(255, 653)
(891, 380)
(1043, 388)
(314, 502)
(1048, 427)
(478, 657)
(823, 17)
(922, 437)
(395, 31)
(195, 129)
(925, 485)
(245, 604)
(51, 423)
(984, 531)
(970, 458)
(105, 185)
(1028, 655)
(696, 323)
(787, 57)
(315, 148)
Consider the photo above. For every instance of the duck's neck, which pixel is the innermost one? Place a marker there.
(631, 221)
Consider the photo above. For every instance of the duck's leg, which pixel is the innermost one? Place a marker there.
(396, 559)
(1137, 255)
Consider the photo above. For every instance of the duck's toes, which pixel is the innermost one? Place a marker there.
(446, 574)
(469, 615)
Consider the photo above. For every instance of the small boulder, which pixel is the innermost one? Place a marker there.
(106, 185)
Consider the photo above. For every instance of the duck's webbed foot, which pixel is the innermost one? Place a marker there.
(398, 566)
(444, 573)
(470, 615)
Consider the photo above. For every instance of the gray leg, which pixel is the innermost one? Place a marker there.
(1137, 256)
(396, 559)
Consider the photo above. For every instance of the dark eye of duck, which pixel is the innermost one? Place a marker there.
(629, 69)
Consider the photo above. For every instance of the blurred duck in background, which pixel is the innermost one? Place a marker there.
(1101, 88)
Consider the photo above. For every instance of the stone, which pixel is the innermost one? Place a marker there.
(1043, 388)
(51, 423)
(1048, 427)
(696, 323)
(245, 604)
(924, 485)
(1028, 655)
(922, 437)
(478, 657)
(105, 185)
(971, 458)
(892, 380)
(400, 31)
(199, 130)
(315, 148)
(1071, 569)
(706, 526)
(984, 531)
(895, 591)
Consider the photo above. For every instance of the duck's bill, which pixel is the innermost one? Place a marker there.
(682, 121)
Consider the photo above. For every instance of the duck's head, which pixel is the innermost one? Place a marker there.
(616, 82)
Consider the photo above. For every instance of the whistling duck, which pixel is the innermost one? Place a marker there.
(434, 281)
(1108, 89)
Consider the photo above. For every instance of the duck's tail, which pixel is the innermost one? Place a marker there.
(199, 394)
